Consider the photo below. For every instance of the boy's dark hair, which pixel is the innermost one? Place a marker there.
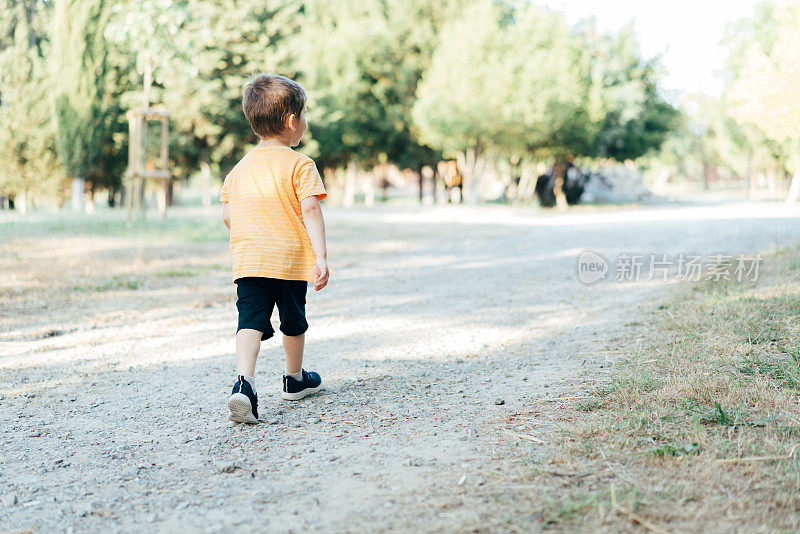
(268, 100)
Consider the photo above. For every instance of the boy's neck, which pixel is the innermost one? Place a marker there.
(273, 141)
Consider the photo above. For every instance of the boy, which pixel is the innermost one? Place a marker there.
(271, 206)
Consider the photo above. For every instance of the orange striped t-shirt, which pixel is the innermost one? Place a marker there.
(268, 235)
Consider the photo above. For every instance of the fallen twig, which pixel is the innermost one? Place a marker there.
(564, 398)
(522, 436)
(307, 431)
(630, 515)
(575, 475)
(353, 423)
(757, 458)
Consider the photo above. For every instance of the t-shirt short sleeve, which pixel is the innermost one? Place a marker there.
(308, 182)
(225, 193)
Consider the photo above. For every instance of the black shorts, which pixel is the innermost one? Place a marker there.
(257, 297)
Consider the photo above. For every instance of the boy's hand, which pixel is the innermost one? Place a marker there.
(320, 274)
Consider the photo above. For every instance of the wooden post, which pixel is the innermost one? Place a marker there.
(164, 165)
(138, 173)
(129, 173)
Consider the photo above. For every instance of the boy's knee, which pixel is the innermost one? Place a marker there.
(294, 330)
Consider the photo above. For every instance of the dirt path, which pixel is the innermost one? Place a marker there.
(116, 358)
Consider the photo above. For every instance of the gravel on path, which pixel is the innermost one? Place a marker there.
(116, 359)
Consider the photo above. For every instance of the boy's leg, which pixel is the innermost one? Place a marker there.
(243, 401)
(293, 345)
(290, 296)
(248, 343)
(291, 301)
(254, 303)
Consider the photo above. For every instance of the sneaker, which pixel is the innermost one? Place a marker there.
(243, 403)
(297, 389)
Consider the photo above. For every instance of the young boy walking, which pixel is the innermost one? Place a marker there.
(271, 206)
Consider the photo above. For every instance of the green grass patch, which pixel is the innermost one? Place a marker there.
(672, 450)
(191, 272)
(112, 284)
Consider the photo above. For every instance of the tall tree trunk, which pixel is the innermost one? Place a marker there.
(89, 207)
(78, 187)
(747, 179)
(427, 175)
(794, 189)
(332, 186)
(435, 185)
(368, 183)
(772, 172)
(471, 164)
(350, 185)
(421, 182)
(21, 201)
(560, 175)
(205, 182)
(161, 197)
(527, 183)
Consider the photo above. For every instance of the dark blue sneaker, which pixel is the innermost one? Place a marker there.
(243, 403)
(297, 389)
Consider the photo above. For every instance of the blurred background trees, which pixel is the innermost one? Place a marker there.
(77, 62)
(29, 166)
(504, 87)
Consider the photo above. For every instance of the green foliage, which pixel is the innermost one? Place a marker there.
(629, 117)
(672, 450)
(526, 84)
(78, 61)
(501, 78)
(361, 62)
(388, 80)
(772, 108)
(229, 40)
(28, 164)
(154, 33)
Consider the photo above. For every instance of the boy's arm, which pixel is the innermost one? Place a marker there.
(226, 214)
(315, 226)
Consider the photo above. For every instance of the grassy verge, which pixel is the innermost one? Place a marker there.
(181, 225)
(696, 430)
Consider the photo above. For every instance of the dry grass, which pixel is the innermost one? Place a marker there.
(695, 430)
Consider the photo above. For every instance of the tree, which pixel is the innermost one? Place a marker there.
(78, 60)
(501, 78)
(764, 90)
(226, 41)
(361, 62)
(629, 118)
(28, 166)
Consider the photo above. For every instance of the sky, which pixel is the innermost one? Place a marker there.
(686, 32)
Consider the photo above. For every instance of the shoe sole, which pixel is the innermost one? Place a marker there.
(300, 394)
(241, 409)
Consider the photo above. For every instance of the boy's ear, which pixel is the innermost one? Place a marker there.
(291, 122)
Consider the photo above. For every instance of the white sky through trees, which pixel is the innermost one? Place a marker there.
(686, 32)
